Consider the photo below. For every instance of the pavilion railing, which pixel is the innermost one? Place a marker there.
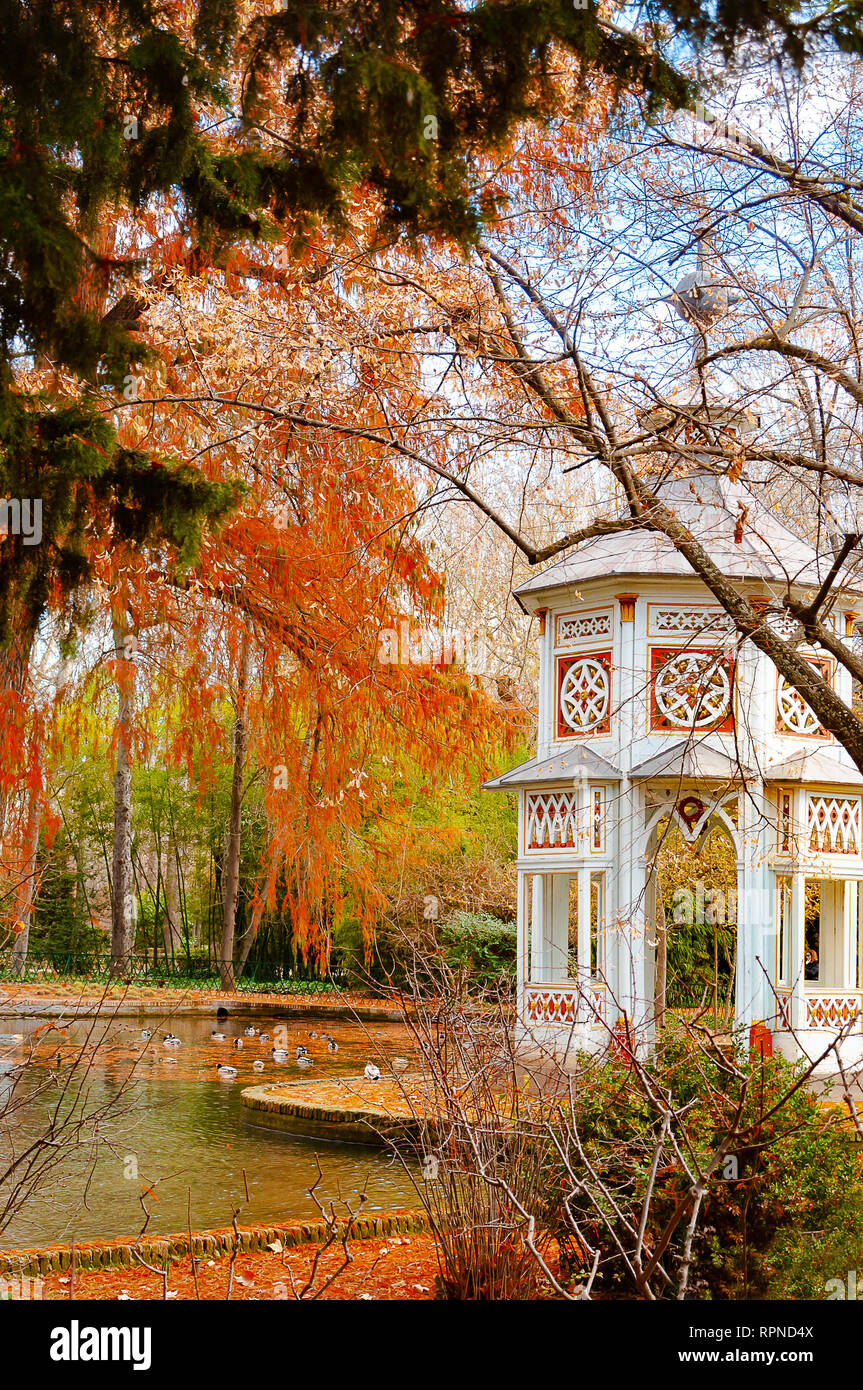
(832, 1008)
(825, 1008)
(559, 1003)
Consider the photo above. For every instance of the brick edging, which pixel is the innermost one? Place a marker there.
(240, 1006)
(117, 1254)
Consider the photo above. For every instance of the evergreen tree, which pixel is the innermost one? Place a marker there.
(109, 108)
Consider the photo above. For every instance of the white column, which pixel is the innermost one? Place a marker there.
(743, 975)
(629, 983)
(624, 714)
(614, 898)
(747, 983)
(642, 1007)
(858, 952)
(584, 940)
(756, 913)
(536, 928)
(559, 928)
(762, 904)
(548, 951)
(831, 952)
(849, 933)
(547, 731)
(521, 939)
(798, 939)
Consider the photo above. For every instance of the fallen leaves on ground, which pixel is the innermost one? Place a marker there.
(70, 994)
(392, 1268)
(355, 1095)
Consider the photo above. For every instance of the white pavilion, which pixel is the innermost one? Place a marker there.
(650, 708)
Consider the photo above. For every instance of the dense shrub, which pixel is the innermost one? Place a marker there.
(781, 1214)
(479, 944)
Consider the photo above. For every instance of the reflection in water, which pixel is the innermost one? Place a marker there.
(182, 1127)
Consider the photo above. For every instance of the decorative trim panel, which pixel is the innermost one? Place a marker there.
(783, 1010)
(551, 1004)
(598, 1003)
(783, 625)
(597, 827)
(785, 820)
(552, 821)
(831, 1010)
(590, 625)
(558, 1004)
(833, 824)
(691, 620)
(690, 688)
(584, 694)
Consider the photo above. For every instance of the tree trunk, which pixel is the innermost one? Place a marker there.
(248, 939)
(122, 924)
(231, 869)
(729, 1003)
(14, 671)
(172, 926)
(661, 980)
(27, 887)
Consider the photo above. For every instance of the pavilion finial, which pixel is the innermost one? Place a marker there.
(702, 298)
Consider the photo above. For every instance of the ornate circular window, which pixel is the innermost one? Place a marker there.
(793, 715)
(585, 694)
(692, 690)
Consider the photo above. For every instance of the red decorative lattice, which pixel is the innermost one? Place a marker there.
(584, 694)
(690, 688)
(546, 1004)
(831, 1010)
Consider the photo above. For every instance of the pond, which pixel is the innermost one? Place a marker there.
(181, 1128)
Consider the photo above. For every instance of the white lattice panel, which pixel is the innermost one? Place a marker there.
(834, 824)
(553, 821)
(551, 1004)
(793, 715)
(831, 1010)
(689, 622)
(573, 628)
(585, 694)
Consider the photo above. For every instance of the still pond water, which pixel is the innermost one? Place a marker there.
(182, 1127)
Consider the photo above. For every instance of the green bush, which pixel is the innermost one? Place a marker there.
(778, 1220)
(62, 924)
(480, 944)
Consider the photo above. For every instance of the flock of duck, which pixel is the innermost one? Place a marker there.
(279, 1054)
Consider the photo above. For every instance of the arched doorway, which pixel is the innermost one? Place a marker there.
(691, 910)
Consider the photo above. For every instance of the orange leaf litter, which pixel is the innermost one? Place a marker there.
(393, 1268)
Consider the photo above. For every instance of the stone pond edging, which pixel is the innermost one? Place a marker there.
(118, 1254)
(313, 1109)
(74, 1009)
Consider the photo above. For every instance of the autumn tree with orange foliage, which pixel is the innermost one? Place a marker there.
(279, 627)
(136, 141)
(142, 147)
(310, 387)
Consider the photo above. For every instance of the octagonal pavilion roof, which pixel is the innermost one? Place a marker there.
(711, 507)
